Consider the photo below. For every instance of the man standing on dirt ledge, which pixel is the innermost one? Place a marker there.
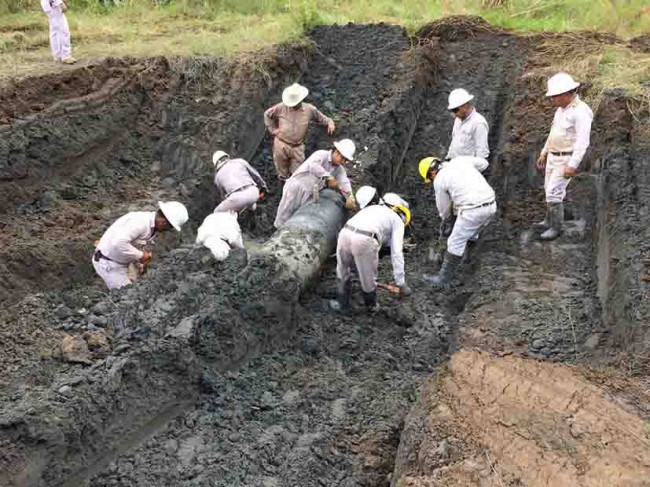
(288, 123)
(469, 136)
(459, 182)
(564, 149)
(118, 248)
(59, 30)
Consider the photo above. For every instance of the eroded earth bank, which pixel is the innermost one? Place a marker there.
(236, 374)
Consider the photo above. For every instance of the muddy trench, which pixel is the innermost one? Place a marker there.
(236, 374)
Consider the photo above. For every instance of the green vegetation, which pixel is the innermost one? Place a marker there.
(222, 27)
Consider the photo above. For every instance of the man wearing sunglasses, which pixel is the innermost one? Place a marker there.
(469, 136)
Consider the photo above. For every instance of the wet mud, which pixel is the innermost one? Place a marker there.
(237, 374)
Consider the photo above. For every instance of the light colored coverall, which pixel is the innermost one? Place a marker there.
(469, 137)
(363, 251)
(220, 232)
(238, 185)
(119, 245)
(307, 180)
(570, 136)
(460, 182)
(59, 30)
(291, 125)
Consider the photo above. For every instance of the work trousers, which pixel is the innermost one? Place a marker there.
(468, 224)
(555, 184)
(297, 191)
(287, 158)
(59, 34)
(116, 275)
(359, 250)
(238, 200)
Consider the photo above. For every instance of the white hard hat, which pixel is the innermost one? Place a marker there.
(561, 83)
(175, 212)
(294, 94)
(217, 156)
(459, 97)
(347, 148)
(365, 194)
(392, 199)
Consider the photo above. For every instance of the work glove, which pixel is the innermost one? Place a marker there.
(350, 203)
(405, 290)
(146, 257)
(332, 183)
(447, 226)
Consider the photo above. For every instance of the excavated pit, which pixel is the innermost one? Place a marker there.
(235, 374)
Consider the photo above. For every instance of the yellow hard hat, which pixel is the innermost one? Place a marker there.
(404, 211)
(425, 166)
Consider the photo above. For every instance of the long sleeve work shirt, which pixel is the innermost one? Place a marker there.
(469, 137)
(121, 241)
(570, 131)
(293, 122)
(460, 182)
(236, 174)
(320, 164)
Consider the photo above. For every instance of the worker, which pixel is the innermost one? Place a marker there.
(220, 233)
(123, 243)
(380, 221)
(564, 149)
(469, 136)
(288, 123)
(238, 184)
(59, 30)
(324, 168)
(459, 182)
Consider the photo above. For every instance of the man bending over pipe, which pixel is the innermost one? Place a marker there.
(238, 184)
(322, 168)
(122, 245)
(380, 221)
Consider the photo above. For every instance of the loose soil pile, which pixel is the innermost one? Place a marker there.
(201, 375)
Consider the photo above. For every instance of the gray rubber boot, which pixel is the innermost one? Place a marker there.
(556, 213)
(545, 223)
(447, 271)
(344, 296)
(370, 299)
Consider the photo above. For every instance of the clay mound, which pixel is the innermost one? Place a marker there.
(509, 421)
(457, 28)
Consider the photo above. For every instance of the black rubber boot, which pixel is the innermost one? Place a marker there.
(556, 214)
(344, 296)
(370, 299)
(447, 271)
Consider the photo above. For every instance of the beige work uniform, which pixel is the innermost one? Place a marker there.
(292, 125)
(566, 146)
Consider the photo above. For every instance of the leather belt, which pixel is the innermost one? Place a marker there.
(481, 206)
(289, 143)
(561, 153)
(240, 189)
(98, 255)
(365, 233)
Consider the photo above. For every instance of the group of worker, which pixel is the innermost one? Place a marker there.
(465, 201)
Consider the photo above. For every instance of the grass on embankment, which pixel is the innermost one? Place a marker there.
(228, 27)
